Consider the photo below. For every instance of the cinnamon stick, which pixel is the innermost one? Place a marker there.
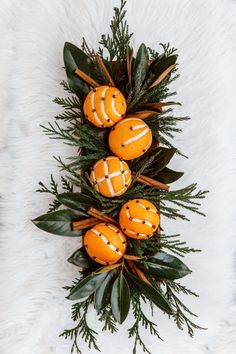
(141, 114)
(99, 215)
(162, 76)
(86, 78)
(105, 71)
(151, 182)
(138, 272)
(84, 224)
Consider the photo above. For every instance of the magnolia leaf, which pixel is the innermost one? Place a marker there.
(168, 176)
(152, 294)
(140, 68)
(75, 58)
(59, 222)
(81, 259)
(120, 298)
(87, 286)
(77, 201)
(164, 265)
(154, 160)
(158, 66)
(102, 294)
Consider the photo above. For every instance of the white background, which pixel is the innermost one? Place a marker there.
(33, 308)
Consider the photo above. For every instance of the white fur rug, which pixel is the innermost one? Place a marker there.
(33, 308)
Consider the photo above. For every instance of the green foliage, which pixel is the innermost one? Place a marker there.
(82, 329)
(116, 44)
(163, 265)
(180, 317)
(141, 320)
(120, 298)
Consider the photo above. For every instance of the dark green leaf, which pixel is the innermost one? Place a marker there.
(58, 223)
(165, 266)
(140, 67)
(102, 295)
(168, 176)
(75, 58)
(152, 294)
(155, 160)
(81, 259)
(77, 201)
(158, 66)
(87, 286)
(120, 298)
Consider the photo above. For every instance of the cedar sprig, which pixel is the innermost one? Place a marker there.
(181, 310)
(117, 42)
(140, 320)
(53, 189)
(82, 329)
(106, 316)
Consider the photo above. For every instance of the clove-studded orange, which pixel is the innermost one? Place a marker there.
(111, 176)
(130, 138)
(139, 218)
(104, 106)
(105, 243)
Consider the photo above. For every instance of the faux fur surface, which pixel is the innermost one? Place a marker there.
(33, 308)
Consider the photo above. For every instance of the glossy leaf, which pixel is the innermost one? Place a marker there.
(87, 286)
(120, 298)
(75, 58)
(102, 295)
(81, 259)
(152, 294)
(58, 223)
(165, 266)
(140, 66)
(77, 201)
(168, 176)
(154, 160)
(158, 66)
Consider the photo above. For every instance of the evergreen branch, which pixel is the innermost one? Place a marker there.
(140, 319)
(57, 132)
(180, 317)
(79, 312)
(53, 189)
(116, 44)
(67, 87)
(174, 245)
(108, 319)
(72, 102)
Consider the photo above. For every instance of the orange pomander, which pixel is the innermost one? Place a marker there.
(130, 138)
(111, 176)
(104, 106)
(105, 243)
(139, 218)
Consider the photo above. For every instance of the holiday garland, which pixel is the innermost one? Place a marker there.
(115, 188)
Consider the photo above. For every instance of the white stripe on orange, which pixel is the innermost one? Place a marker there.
(95, 113)
(105, 240)
(140, 221)
(113, 105)
(137, 137)
(136, 127)
(143, 206)
(110, 186)
(135, 233)
(103, 106)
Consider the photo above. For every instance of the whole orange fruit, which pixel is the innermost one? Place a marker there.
(111, 176)
(105, 243)
(130, 138)
(139, 218)
(104, 106)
